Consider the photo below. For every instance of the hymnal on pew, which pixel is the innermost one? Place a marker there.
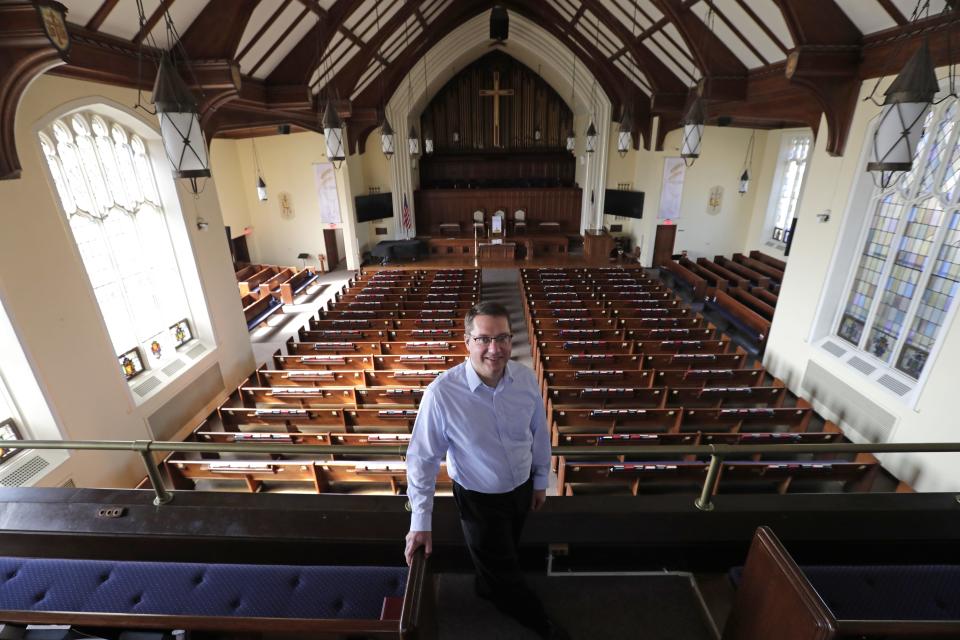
(267, 413)
(606, 392)
(295, 391)
(599, 373)
(324, 359)
(303, 373)
(330, 346)
(429, 344)
(614, 413)
(397, 413)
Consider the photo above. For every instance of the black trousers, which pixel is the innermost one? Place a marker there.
(492, 523)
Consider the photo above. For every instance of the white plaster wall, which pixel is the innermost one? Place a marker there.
(54, 314)
(830, 184)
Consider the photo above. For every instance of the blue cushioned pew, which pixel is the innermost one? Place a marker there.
(777, 598)
(229, 600)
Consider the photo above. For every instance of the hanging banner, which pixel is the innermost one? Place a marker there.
(671, 190)
(326, 180)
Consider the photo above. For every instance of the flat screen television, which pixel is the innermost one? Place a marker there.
(374, 207)
(623, 203)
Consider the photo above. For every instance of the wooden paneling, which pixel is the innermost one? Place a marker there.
(505, 169)
(459, 107)
(436, 206)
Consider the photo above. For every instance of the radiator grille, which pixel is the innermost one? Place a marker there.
(834, 348)
(173, 367)
(894, 385)
(861, 365)
(197, 350)
(847, 405)
(25, 472)
(148, 385)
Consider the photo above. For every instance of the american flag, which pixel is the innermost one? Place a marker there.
(405, 215)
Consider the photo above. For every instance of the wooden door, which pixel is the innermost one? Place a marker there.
(663, 243)
(330, 241)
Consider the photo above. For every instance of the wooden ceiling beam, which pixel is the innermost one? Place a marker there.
(152, 21)
(893, 11)
(763, 26)
(736, 31)
(712, 56)
(350, 73)
(283, 36)
(299, 65)
(262, 30)
(216, 31)
(101, 14)
(825, 62)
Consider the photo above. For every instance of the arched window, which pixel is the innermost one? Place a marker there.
(905, 278)
(103, 176)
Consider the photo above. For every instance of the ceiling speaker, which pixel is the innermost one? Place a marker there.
(499, 23)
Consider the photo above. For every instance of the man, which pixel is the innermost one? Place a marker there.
(487, 417)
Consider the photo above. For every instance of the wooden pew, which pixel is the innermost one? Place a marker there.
(282, 418)
(714, 281)
(708, 378)
(568, 347)
(754, 303)
(726, 397)
(766, 295)
(256, 312)
(733, 279)
(743, 317)
(347, 347)
(697, 283)
(447, 347)
(272, 284)
(341, 335)
(776, 263)
(302, 397)
(373, 324)
(683, 361)
(598, 378)
(772, 272)
(747, 419)
(329, 362)
(252, 283)
(417, 361)
(606, 397)
(309, 378)
(760, 279)
(615, 420)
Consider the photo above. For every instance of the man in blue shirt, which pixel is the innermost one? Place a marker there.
(487, 418)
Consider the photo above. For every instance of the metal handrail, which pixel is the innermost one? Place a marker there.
(717, 453)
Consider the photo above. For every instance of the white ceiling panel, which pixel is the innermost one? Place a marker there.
(676, 42)
(262, 13)
(279, 26)
(907, 6)
(634, 74)
(867, 15)
(442, 6)
(80, 11)
(124, 21)
(369, 75)
(295, 36)
(647, 7)
(364, 10)
(623, 10)
(685, 76)
(183, 14)
(332, 71)
(728, 37)
(770, 13)
(750, 30)
(563, 8)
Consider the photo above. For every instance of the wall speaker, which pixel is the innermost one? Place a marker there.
(499, 23)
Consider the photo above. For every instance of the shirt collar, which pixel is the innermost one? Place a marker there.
(473, 378)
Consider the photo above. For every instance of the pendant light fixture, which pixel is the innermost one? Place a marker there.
(537, 131)
(695, 118)
(747, 164)
(571, 136)
(427, 128)
(261, 185)
(624, 137)
(591, 129)
(413, 138)
(387, 142)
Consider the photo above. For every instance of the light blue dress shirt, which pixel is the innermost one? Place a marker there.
(494, 440)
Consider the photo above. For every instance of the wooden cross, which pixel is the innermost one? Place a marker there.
(495, 93)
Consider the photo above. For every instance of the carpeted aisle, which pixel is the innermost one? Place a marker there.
(651, 607)
(503, 286)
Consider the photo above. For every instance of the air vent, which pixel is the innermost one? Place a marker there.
(861, 365)
(25, 472)
(69, 484)
(834, 348)
(894, 385)
(848, 406)
(770, 243)
(149, 385)
(197, 350)
(173, 367)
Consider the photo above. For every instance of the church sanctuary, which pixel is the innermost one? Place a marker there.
(239, 240)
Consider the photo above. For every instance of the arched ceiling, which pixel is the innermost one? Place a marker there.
(645, 54)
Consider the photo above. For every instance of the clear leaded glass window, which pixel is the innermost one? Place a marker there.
(103, 176)
(908, 270)
(796, 149)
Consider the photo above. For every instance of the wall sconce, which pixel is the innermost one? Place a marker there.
(202, 224)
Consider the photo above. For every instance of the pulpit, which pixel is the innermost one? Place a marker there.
(597, 244)
(497, 250)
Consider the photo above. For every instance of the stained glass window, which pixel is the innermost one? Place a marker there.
(8, 432)
(181, 333)
(908, 272)
(793, 161)
(103, 176)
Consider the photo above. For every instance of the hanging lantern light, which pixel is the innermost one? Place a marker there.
(427, 140)
(386, 137)
(261, 189)
(537, 134)
(591, 138)
(571, 141)
(906, 103)
(693, 123)
(744, 182)
(179, 124)
(413, 141)
(456, 136)
(333, 135)
(624, 137)
(747, 163)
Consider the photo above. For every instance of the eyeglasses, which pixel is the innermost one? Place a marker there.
(502, 339)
